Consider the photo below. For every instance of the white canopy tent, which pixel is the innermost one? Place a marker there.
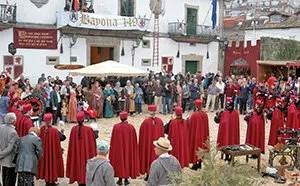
(108, 68)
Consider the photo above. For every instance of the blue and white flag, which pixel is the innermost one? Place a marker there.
(214, 13)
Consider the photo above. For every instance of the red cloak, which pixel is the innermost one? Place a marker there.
(24, 125)
(256, 131)
(150, 130)
(292, 117)
(199, 134)
(19, 116)
(51, 165)
(81, 148)
(179, 138)
(12, 108)
(276, 123)
(124, 155)
(229, 129)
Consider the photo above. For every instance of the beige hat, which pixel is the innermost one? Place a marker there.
(163, 143)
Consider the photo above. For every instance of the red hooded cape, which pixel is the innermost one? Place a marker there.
(292, 117)
(19, 116)
(179, 138)
(81, 148)
(124, 155)
(229, 129)
(24, 125)
(12, 108)
(276, 123)
(150, 130)
(51, 165)
(199, 134)
(256, 131)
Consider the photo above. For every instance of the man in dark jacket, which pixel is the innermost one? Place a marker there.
(29, 149)
(195, 91)
(244, 93)
(55, 101)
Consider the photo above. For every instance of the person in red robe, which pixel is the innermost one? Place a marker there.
(25, 124)
(82, 147)
(229, 126)
(277, 121)
(123, 154)
(292, 115)
(13, 104)
(151, 129)
(178, 135)
(271, 80)
(199, 133)
(18, 112)
(256, 127)
(51, 165)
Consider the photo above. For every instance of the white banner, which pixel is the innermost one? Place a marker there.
(101, 22)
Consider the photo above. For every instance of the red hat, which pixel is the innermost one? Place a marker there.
(288, 84)
(80, 116)
(178, 111)
(228, 99)
(27, 107)
(123, 115)
(259, 102)
(152, 108)
(12, 93)
(14, 83)
(198, 103)
(15, 99)
(21, 102)
(278, 100)
(292, 97)
(48, 117)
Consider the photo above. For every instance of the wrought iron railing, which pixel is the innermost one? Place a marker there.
(191, 29)
(8, 13)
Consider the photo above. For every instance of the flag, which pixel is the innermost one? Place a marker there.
(76, 5)
(214, 14)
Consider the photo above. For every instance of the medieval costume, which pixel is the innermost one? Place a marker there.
(98, 97)
(51, 165)
(256, 127)
(229, 127)
(18, 112)
(17, 89)
(129, 98)
(259, 92)
(26, 123)
(149, 93)
(72, 111)
(138, 99)
(179, 95)
(292, 115)
(108, 99)
(276, 116)
(199, 133)
(82, 146)
(178, 135)
(119, 98)
(151, 129)
(123, 155)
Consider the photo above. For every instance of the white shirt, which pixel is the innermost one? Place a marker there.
(164, 155)
(221, 86)
(34, 134)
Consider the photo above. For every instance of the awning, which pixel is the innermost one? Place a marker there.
(274, 63)
(294, 65)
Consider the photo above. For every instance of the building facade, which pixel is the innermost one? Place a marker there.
(46, 33)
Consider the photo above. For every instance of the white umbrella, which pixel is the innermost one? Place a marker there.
(108, 68)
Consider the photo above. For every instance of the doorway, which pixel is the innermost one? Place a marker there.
(100, 54)
(191, 21)
(191, 66)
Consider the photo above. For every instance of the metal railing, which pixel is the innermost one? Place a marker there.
(191, 29)
(8, 13)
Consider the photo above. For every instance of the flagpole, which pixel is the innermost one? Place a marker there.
(221, 35)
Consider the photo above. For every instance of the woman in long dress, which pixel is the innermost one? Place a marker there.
(129, 98)
(71, 117)
(97, 103)
(108, 98)
(119, 98)
(179, 95)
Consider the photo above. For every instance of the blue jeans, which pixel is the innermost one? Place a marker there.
(167, 102)
(236, 102)
(250, 101)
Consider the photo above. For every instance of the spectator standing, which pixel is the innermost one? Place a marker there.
(29, 152)
(4, 103)
(164, 165)
(48, 91)
(185, 94)
(98, 169)
(252, 86)
(179, 94)
(138, 98)
(41, 79)
(58, 81)
(212, 92)
(243, 97)
(21, 82)
(229, 88)
(8, 138)
(26, 92)
(221, 86)
(167, 99)
(84, 82)
(158, 95)
(55, 100)
(72, 110)
(150, 93)
(195, 89)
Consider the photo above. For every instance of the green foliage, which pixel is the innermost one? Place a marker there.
(216, 172)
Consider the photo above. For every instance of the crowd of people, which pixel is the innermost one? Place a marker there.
(159, 149)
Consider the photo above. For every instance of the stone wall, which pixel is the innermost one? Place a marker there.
(275, 49)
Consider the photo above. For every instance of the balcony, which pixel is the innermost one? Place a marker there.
(182, 32)
(7, 16)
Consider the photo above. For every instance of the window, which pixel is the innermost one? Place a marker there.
(146, 43)
(146, 62)
(275, 19)
(52, 60)
(127, 8)
(73, 59)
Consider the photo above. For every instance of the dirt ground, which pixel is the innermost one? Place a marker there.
(105, 127)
